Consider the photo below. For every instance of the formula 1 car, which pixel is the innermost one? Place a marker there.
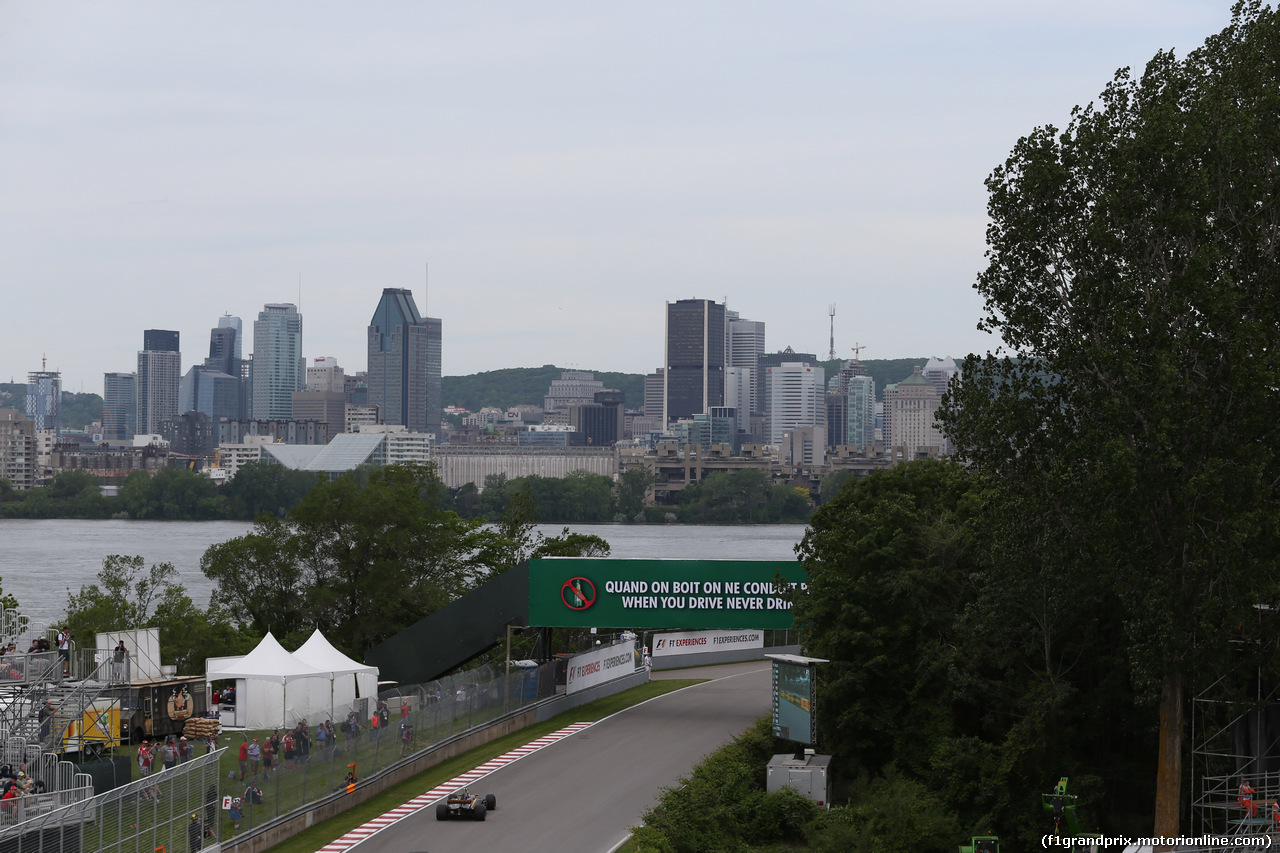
(463, 803)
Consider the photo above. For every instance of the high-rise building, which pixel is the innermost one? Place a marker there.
(159, 372)
(653, 387)
(738, 395)
(211, 392)
(861, 412)
(602, 422)
(278, 368)
(745, 345)
(17, 449)
(574, 387)
(911, 415)
(797, 397)
(119, 406)
(324, 374)
(404, 363)
(774, 359)
(224, 359)
(44, 399)
(227, 321)
(695, 356)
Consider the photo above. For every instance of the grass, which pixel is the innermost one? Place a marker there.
(321, 834)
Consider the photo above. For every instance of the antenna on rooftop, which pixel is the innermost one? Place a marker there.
(831, 354)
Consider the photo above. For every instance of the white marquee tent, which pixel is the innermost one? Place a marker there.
(352, 680)
(274, 689)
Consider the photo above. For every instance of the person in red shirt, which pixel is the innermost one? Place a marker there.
(244, 758)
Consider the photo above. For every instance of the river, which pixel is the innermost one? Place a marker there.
(41, 561)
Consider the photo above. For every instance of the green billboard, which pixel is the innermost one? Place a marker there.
(588, 592)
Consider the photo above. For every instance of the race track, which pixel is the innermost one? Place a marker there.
(581, 794)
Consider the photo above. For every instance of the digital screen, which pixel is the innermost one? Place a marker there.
(793, 702)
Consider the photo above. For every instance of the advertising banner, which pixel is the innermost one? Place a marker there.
(693, 642)
(589, 592)
(604, 664)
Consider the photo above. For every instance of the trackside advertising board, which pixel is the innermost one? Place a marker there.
(604, 664)
(693, 642)
(587, 592)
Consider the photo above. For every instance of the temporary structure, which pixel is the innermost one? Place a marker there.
(273, 688)
(352, 680)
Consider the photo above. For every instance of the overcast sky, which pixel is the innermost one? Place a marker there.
(564, 167)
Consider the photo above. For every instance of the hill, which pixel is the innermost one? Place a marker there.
(515, 386)
(78, 410)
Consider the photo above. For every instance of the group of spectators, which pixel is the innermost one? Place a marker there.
(15, 783)
(290, 750)
(169, 752)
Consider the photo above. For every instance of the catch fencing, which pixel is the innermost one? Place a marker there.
(418, 717)
(177, 809)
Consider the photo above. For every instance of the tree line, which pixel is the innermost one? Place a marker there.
(178, 494)
(361, 558)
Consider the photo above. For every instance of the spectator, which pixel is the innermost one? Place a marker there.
(64, 649)
(119, 662)
(169, 753)
(255, 757)
(186, 750)
(268, 757)
(244, 758)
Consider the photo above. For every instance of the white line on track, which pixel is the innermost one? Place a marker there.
(377, 824)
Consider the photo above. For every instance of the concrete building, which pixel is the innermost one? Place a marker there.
(797, 397)
(359, 415)
(574, 387)
(774, 359)
(17, 449)
(119, 406)
(803, 447)
(324, 374)
(285, 432)
(327, 407)
(695, 358)
(911, 417)
(193, 433)
(739, 394)
(675, 468)
(744, 345)
(159, 373)
(458, 465)
(278, 368)
(654, 384)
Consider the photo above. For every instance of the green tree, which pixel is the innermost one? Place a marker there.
(260, 487)
(1133, 275)
(633, 487)
(360, 562)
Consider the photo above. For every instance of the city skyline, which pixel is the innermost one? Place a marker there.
(552, 164)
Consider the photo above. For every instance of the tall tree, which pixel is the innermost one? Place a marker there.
(1133, 274)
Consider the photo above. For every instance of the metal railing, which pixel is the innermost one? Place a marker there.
(174, 810)
(417, 718)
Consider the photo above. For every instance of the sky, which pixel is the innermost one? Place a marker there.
(544, 175)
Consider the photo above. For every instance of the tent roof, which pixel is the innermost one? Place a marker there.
(269, 662)
(319, 652)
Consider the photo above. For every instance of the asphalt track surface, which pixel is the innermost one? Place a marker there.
(583, 793)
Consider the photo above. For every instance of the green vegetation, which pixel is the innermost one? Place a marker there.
(746, 496)
(528, 386)
(1127, 446)
(323, 833)
(885, 371)
(77, 411)
(130, 595)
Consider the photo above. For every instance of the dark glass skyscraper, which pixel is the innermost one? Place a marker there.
(159, 370)
(404, 363)
(119, 406)
(694, 374)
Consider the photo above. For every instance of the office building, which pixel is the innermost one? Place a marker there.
(574, 387)
(119, 406)
(278, 368)
(211, 392)
(602, 422)
(797, 397)
(159, 374)
(774, 359)
(744, 346)
(695, 358)
(44, 399)
(17, 449)
(324, 374)
(404, 363)
(327, 407)
(911, 416)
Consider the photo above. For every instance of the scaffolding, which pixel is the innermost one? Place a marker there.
(1235, 746)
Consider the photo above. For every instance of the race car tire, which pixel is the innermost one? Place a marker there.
(442, 811)
(490, 802)
(478, 811)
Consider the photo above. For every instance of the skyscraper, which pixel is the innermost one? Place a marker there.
(119, 406)
(404, 363)
(797, 397)
(159, 371)
(44, 399)
(744, 346)
(695, 355)
(278, 368)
